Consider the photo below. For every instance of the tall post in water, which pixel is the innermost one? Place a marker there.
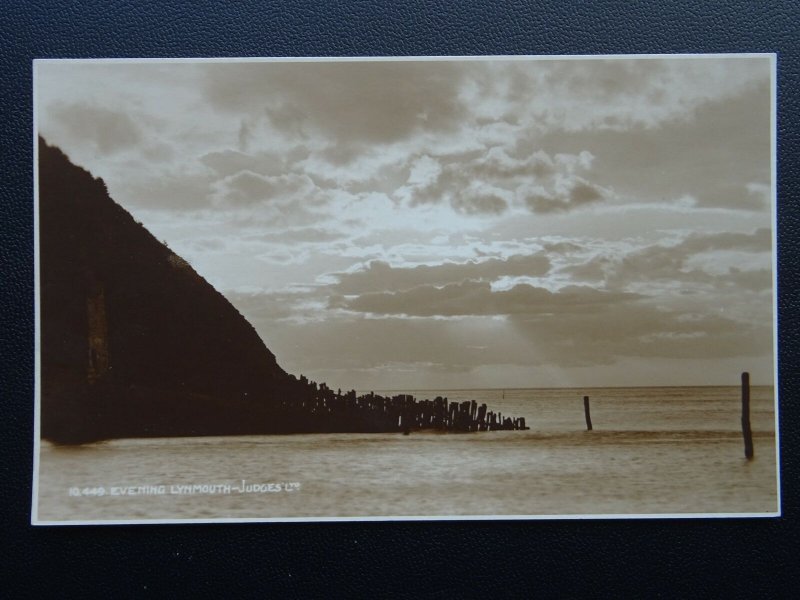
(746, 431)
(587, 413)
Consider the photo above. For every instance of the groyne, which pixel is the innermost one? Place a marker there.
(317, 408)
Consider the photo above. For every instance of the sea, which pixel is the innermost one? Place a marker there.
(671, 451)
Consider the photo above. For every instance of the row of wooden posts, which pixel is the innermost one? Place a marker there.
(318, 408)
(747, 432)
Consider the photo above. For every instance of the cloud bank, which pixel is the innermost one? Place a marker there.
(427, 222)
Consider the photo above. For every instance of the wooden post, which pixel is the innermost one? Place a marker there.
(482, 417)
(586, 413)
(746, 431)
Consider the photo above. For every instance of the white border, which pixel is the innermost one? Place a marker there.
(481, 58)
(553, 517)
(37, 316)
(570, 517)
(773, 62)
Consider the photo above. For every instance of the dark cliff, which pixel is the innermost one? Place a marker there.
(133, 341)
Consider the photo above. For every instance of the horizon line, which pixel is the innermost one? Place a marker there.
(575, 387)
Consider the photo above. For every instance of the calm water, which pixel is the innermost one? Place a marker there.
(652, 450)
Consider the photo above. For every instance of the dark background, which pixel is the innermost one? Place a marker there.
(654, 558)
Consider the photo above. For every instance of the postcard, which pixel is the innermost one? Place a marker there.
(503, 287)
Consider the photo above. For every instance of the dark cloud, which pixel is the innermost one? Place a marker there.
(344, 101)
(476, 203)
(477, 298)
(580, 194)
(711, 153)
(380, 276)
(671, 263)
(247, 188)
(584, 193)
(106, 129)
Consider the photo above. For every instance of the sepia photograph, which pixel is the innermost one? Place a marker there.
(500, 287)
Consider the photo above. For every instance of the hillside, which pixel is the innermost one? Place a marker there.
(134, 341)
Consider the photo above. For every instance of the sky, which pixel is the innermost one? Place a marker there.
(434, 224)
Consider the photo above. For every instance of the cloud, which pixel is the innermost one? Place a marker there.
(497, 163)
(491, 182)
(718, 151)
(736, 196)
(477, 298)
(480, 200)
(247, 188)
(380, 276)
(268, 163)
(677, 262)
(627, 94)
(358, 102)
(424, 114)
(106, 129)
(578, 193)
